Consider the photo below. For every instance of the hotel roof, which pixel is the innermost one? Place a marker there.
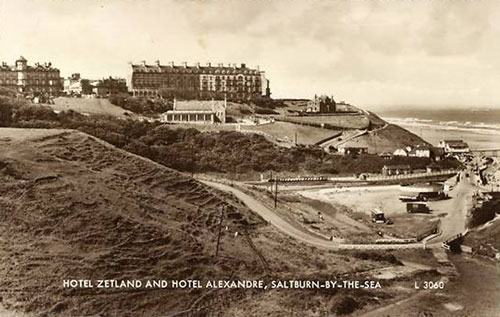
(195, 69)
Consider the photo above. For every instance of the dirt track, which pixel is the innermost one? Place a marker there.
(291, 231)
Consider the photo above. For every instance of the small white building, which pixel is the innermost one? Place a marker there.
(400, 152)
(196, 111)
(454, 146)
(353, 150)
(420, 151)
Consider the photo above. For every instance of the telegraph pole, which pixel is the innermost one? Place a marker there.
(220, 229)
(275, 192)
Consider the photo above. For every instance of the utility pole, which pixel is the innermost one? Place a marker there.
(275, 192)
(271, 180)
(220, 229)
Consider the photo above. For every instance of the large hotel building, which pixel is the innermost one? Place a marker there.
(198, 82)
(31, 79)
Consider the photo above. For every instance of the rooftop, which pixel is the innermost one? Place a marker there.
(196, 105)
(397, 167)
(38, 66)
(455, 143)
(197, 68)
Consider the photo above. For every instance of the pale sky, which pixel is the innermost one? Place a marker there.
(371, 52)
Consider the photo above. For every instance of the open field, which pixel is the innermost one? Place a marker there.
(90, 106)
(72, 206)
(361, 200)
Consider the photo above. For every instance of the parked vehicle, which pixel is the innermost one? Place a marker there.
(423, 196)
(409, 197)
(378, 216)
(417, 207)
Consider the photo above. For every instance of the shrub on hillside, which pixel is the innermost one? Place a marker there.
(345, 305)
(190, 150)
(485, 213)
(141, 105)
(266, 102)
(260, 110)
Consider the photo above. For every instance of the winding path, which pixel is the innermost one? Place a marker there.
(285, 227)
(452, 224)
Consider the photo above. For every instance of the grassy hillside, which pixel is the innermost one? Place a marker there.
(386, 139)
(74, 207)
(287, 131)
(231, 153)
(89, 106)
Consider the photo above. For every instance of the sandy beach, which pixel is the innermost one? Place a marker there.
(476, 140)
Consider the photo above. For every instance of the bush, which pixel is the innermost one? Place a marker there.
(141, 105)
(189, 150)
(344, 306)
(259, 110)
(485, 213)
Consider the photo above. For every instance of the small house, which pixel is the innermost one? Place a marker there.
(454, 146)
(421, 151)
(353, 150)
(400, 152)
(437, 153)
(386, 155)
(389, 170)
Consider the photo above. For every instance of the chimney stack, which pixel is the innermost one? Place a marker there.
(243, 65)
(157, 62)
(143, 63)
(171, 64)
(185, 64)
(221, 65)
(209, 64)
(197, 64)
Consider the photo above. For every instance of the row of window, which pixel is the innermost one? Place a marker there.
(241, 89)
(202, 77)
(29, 74)
(27, 82)
(149, 70)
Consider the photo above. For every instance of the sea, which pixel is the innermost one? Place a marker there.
(479, 127)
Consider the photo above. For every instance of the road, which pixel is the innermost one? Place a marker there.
(452, 224)
(285, 227)
(456, 207)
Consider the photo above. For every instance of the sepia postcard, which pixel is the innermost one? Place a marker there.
(238, 158)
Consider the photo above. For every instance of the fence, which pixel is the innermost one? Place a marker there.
(376, 177)
(368, 178)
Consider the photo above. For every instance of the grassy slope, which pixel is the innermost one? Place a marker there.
(386, 139)
(89, 105)
(378, 142)
(485, 240)
(286, 130)
(74, 207)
